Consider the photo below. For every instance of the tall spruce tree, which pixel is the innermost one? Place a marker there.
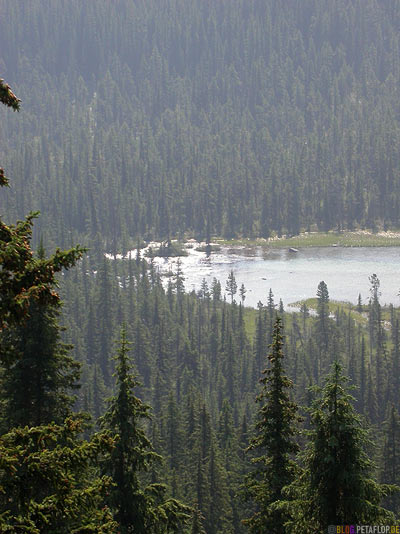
(39, 374)
(37, 384)
(274, 439)
(336, 487)
(390, 473)
(231, 285)
(322, 323)
(137, 508)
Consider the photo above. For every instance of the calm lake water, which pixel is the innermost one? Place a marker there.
(295, 276)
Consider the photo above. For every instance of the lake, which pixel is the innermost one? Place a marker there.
(295, 276)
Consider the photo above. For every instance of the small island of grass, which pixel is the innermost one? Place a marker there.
(167, 249)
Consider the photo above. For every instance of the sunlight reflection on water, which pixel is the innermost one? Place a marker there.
(295, 276)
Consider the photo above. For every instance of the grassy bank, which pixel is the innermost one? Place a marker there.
(359, 316)
(360, 238)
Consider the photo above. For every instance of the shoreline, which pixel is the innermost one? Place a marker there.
(356, 238)
(346, 238)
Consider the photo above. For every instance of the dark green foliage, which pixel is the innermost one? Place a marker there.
(274, 439)
(184, 348)
(322, 323)
(375, 314)
(137, 508)
(197, 522)
(336, 487)
(390, 472)
(23, 278)
(200, 118)
(233, 118)
(39, 374)
(48, 482)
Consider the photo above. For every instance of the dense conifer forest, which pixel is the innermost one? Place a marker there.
(127, 404)
(230, 118)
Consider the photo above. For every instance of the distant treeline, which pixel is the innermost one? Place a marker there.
(192, 116)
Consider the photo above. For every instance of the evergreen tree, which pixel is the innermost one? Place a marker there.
(136, 509)
(260, 342)
(359, 304)
(322, 324)
(39, 379)
(197, 522)
(231, 285)
(264, 222)
(390, 473)
(174, 438)
(48, 481)
(39, 372)
(275, 430)
(216, 290)
(220, 514)
(104, 314)
(242, 292)
(270, 309)
(375, 315)
(336, 487)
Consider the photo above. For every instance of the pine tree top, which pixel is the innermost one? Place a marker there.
(336, 486)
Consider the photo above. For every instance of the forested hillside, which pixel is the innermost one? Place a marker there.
(230, 118)
(200, 359)
(127, 404)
